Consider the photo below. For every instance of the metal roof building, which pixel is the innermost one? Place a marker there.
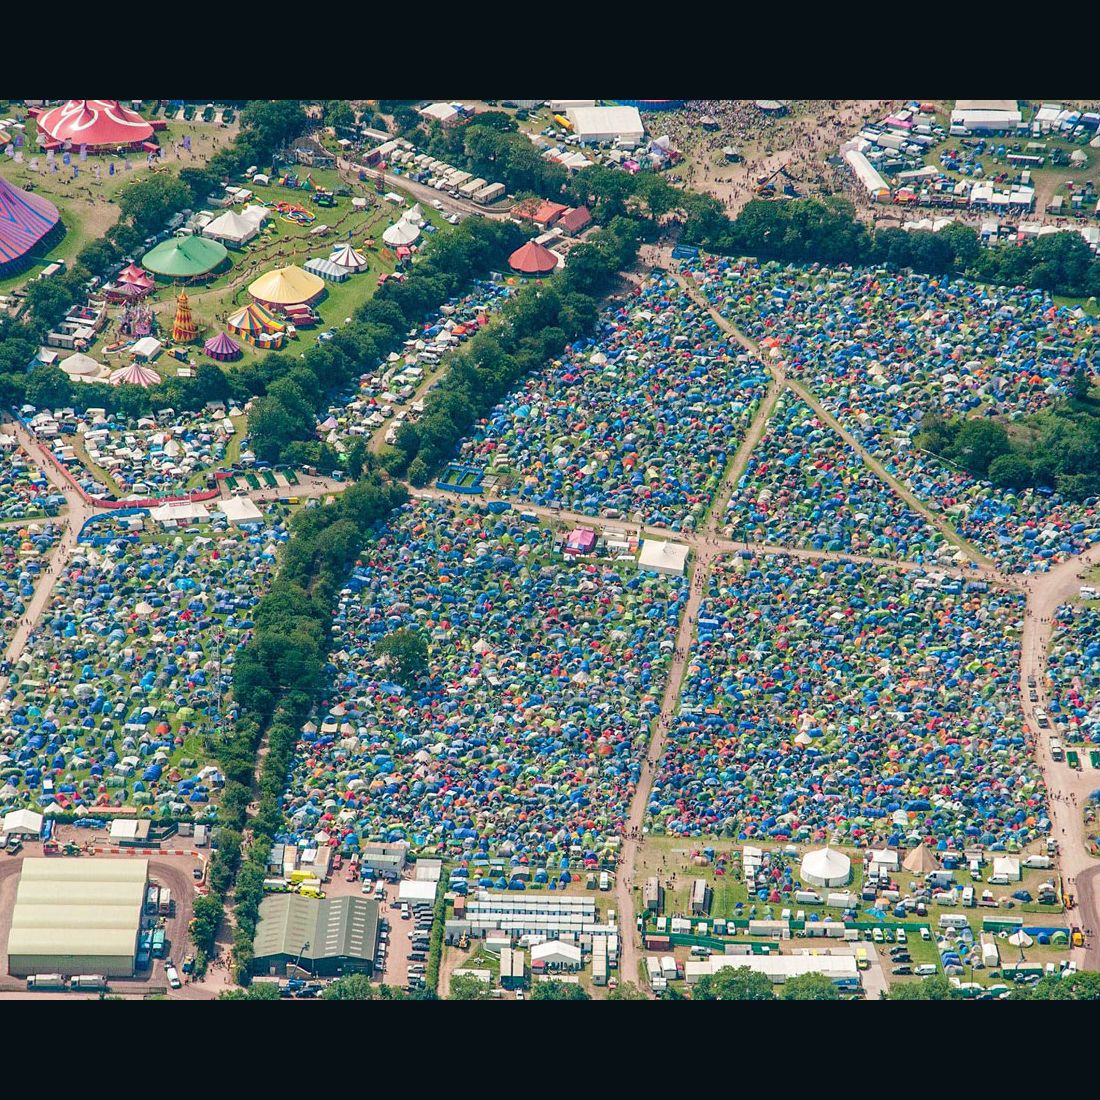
(77, 916)
(331, 935)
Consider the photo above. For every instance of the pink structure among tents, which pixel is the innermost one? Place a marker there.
(222, 347)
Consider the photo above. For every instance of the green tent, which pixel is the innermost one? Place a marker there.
(184, 257)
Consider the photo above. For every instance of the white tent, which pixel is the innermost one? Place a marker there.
(414, 215)
(413, 890)
(232, 228)
(663, 557)
(826, 867)
(23, 823)
(1009, 866)
(147, 347)
(604, 124)
(326, 269)
(240, 510)
(347, 257)
(256, 214)
(80, 364)
(401, 232)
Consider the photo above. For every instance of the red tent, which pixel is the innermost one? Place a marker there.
(97, 123)
(532, 259)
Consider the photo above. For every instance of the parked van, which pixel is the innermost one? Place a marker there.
(807, 897)
(925, 970)
(953, 920)
(968, 897)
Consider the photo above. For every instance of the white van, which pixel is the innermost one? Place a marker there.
(925, 970)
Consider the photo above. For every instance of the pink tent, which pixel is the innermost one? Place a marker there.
(135, 375)
(222, 347)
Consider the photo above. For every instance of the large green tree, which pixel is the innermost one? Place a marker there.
(810, 987)
(465, 987)
(936, 988)
(406, 653)
(733, 984)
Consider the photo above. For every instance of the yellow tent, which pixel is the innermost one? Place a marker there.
(287, 286)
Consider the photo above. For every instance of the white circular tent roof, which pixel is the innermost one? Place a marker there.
(826, 867)
(79, 363)
(400, 233)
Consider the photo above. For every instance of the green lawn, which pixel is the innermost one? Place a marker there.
(1087, 304)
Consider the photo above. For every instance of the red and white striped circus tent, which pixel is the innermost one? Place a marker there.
(135, 375)
(96, 123)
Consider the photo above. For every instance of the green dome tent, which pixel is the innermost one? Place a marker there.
(184, 257)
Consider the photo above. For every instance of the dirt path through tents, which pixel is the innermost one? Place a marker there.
(1068, 790)
(72, 519)
(872, 463)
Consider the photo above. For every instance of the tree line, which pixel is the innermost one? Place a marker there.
(276, 678)
(827, 231)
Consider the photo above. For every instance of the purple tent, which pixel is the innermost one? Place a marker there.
(222, 347)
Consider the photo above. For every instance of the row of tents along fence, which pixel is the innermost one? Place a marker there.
(828, 699)
(638, 422)
(119, 687)
(883, 350)
(804, 486)
(394, 382)
(1073, 670)
(25, 492)
(24, 550)
(156, 455)
(523, 737)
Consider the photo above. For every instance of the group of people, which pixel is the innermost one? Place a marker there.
(882, 349)
(639, 422)
(525, 732)
(833, 699)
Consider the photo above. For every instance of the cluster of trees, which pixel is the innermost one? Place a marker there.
(1058, 448)
(282, 422)
(743, 984)
(1082, 985)
(827, 231)
(275, 679)
(358, 987)
(535, 326)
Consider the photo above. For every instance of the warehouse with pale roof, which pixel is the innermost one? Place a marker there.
(77, 917)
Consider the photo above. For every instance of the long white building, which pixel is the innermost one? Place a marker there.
(778, 968)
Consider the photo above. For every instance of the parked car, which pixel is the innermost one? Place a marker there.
(902, 971)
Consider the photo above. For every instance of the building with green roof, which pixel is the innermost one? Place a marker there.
(184, 257)
(331, 936)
